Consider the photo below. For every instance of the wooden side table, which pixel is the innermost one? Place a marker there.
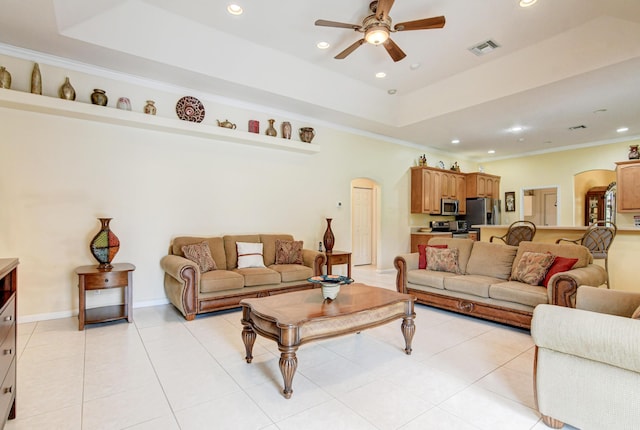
(337, 258)
(92, 278)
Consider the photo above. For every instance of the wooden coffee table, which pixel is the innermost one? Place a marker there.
(295, 318)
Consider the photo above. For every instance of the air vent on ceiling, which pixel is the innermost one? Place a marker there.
(484, 47)
(577, 127)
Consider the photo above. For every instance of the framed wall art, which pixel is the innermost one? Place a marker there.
(510, 201)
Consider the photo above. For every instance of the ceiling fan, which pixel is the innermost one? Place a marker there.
(377, 26)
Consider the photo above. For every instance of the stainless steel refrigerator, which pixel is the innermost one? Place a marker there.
(482, 210)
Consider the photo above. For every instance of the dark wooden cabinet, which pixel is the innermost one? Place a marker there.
(8, 314)
(594, 205)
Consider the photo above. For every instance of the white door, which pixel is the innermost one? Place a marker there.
(550, 209)
(362, 226)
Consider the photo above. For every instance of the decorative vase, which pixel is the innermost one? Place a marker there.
(66, 91)
(328, 238)
(633, 152)
(5, 78)
(99, 97)
(150, 107)
(105, 245)
(286, 130)
(123, 103)
(271, 131)
(307, 134)
(254, 126)
(36, 80)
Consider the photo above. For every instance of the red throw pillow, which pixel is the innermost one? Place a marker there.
(560, 264)
(422, 250)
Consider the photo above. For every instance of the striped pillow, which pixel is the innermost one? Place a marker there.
(249, 255)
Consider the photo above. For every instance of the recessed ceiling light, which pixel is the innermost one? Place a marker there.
(415, 66)
(381, 75)
(521, 139)
(527, 3)
(622, 129)
(392, 91)
(516, 129)
(491, 151)
(323, 45)
(455, 141)
(234, 9)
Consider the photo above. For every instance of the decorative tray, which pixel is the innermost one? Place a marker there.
(330, 279)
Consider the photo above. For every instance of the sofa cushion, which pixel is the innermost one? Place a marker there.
(428, 278)
(230, 247)
(443, 260)
(462, 245)
(422, 254)
(491, 259)
(519, 292)
(200, 254)
(269, 250)
(563, 250)
(477, 285)
(258, 276)
(532, 267)
(216, 247)
(560, 264)
(292, 272)
(636, 314)
(220, 280)
(288, 251)
(249, 255)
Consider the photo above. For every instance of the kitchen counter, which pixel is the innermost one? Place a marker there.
(539, 228)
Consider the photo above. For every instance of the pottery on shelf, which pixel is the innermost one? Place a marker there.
(633, 152)
(67, 91)
(99, 97)
(271, 130)
(123, 103)
(286, 130)
(105, 245)
(5, 78)
(226, 124)
(150, 107)
(254, 126)
(328, 238)
(307, 134)
(36, 80)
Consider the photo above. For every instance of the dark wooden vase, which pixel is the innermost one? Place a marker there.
(104, 245)
(328, 239)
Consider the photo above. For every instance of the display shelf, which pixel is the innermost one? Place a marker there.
(73, 109)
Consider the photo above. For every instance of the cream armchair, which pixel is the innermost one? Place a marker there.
(587, 363)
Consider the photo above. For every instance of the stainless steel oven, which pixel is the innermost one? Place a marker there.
(449, 206)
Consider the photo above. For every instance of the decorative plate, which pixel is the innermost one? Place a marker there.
(190, 109)
(441, 164)
(334, 279)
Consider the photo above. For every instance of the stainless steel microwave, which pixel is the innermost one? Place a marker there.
(449, 207)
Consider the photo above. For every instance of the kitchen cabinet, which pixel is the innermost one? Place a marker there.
(430, 185)
(483, 185)
(628, 186)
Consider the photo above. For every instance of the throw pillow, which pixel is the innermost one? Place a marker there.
(288, 251)
(443, 260)
(560, 264)
(532, 267)
(636, 314)
(249, 255)
(200, 253)
(422, 251)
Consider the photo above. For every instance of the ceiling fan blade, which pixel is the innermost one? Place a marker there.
(325, 23)
(383, 8)
(350, 49)
(394, 50)
(421, 24)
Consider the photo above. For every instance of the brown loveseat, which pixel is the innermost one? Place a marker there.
(483, 286)
(194, 292)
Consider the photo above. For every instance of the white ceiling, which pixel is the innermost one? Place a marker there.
(559, 62)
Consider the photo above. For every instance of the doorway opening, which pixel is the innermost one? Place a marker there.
(540, 205)
(365, 222)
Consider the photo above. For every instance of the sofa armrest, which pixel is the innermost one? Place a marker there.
(182, 278)
(314, 259)
(403, 263)
(604, 301)
(594, 336)
(563, 286)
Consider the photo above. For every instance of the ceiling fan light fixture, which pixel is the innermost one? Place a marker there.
(527, 3)
(235, 9)
(377, 34)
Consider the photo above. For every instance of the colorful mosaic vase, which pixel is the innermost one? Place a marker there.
(105, 245)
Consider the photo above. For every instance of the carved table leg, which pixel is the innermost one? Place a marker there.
(249, 338)
(408, 330)
(552, 422)
(288, 366)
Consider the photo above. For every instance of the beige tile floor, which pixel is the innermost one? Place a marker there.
(164, 373)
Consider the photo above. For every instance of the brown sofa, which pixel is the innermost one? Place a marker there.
(193, 292)
(483, 286)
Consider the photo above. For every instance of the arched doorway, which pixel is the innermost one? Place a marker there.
(365, 204)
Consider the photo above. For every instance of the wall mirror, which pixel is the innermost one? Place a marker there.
(540, 205)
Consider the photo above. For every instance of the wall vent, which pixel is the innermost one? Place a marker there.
(577, 127)
(485, 47)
